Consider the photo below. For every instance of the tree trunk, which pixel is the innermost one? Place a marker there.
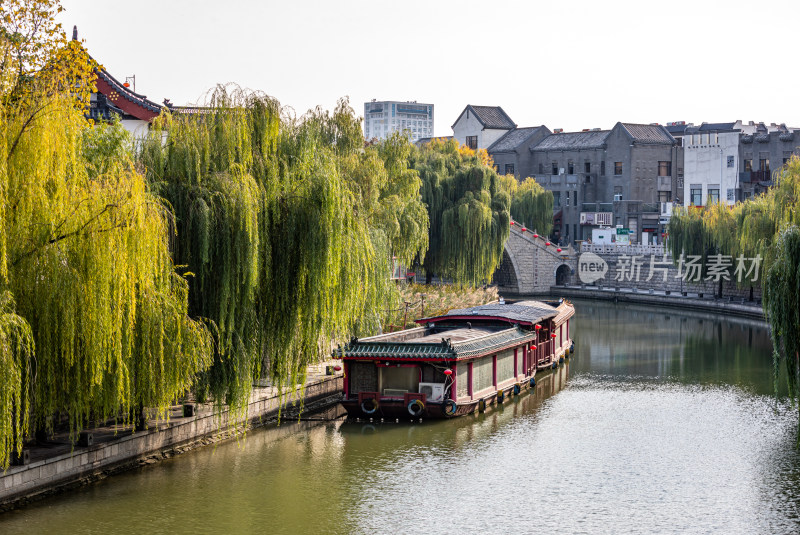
(428, 277)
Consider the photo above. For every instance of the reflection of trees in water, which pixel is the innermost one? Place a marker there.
(698, 348)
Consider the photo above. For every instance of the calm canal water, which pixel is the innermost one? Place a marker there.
(663, 422)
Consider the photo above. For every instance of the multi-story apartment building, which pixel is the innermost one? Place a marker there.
(731, 162)
(383, 118)
(618, 177)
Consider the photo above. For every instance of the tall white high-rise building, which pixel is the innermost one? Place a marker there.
(383, 118)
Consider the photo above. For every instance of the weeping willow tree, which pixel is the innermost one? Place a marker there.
(93, 321)
(287, 226)
(468, 212)
(765, 227)
(531, 204)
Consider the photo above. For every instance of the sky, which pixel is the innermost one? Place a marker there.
(564, 64)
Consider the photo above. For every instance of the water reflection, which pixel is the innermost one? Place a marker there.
(663, 422)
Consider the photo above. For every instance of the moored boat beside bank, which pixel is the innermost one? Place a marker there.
(456, 363)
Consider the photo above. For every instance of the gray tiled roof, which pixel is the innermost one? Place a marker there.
(649, 134)
(492, 117)
(512, 139)
(717, 127)
(573, 141)
(523, 312)
(445, 348)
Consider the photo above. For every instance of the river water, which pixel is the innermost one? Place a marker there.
(662, 422)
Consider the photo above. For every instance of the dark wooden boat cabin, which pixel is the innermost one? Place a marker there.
(456, 363)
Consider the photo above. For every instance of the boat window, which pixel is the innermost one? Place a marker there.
(462, 379)
(363, 377)
(396, 381)
(505, 366)
(482, 374)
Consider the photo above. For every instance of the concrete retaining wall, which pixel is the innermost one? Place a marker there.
(84, 462)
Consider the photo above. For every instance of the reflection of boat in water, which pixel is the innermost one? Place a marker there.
(457, 363)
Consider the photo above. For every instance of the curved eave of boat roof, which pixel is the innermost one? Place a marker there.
(467, 349)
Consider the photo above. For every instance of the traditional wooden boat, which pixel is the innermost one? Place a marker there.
(457, 363)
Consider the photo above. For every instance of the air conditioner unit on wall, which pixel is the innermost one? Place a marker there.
(432, 391)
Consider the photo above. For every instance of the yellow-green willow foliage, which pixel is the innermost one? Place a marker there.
(766, 227)
(287, 226)
(90, 270)
(468, 212)
(531, 204)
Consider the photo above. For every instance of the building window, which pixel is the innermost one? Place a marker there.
(617, 168)
(696, 196)
(566, 201)
(556, 199)
(570, 168)
(587, 167)
(730, 161)
(555, 168)
(509, 168)
(763, 164)
(713, 196)
(664, 168)
(541, 168)
(603, 168)
(748, 165)
(472, 142)
(575, 198)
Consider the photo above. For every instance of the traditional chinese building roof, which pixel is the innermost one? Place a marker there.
(132, 104)
(648, 134)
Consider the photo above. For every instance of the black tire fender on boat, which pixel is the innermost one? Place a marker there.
(449, 407)
(416, 407)
(482, 405)
(369, 406)
(501, 397)
(517, 389)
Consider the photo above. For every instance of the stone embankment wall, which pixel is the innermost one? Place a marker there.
(129, 449)
(663, 278)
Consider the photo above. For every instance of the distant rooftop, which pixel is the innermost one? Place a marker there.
(513, 139)
(593, 139)
(492, 117)
(649, 133)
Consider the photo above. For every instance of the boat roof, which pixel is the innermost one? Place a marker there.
(434, 343)
(521, 312)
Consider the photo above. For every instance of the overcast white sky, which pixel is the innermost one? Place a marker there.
(565, 64)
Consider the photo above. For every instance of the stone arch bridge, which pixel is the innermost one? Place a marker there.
(530, 266)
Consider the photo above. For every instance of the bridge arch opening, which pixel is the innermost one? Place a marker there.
(506, 275)
(563, 275)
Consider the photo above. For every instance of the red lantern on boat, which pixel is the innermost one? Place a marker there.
(337, 368)
(523, 229)
(448, 372)
(512, 223)
(533, 346)
(538, 327)
(553, 335)
(559, 249)
(535, 235)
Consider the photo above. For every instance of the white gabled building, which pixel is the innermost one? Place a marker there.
(479, 126)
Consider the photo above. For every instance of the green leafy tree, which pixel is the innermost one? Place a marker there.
(468, 212)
